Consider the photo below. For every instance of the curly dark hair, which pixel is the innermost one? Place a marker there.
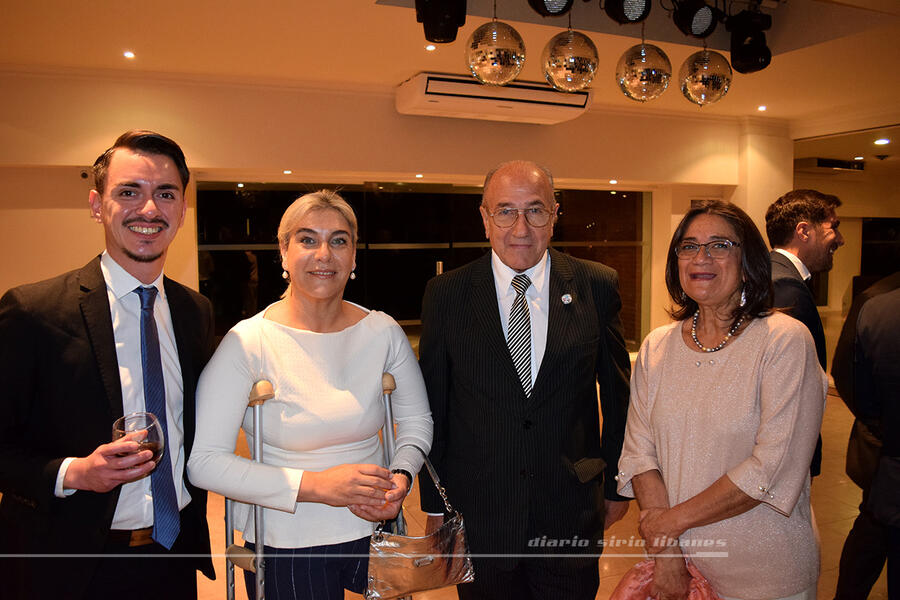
(782, 216)
(756, 268)
(146, 142)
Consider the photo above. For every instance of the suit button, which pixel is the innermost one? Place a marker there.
(527, 424)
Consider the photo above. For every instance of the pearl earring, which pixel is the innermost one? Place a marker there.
(285, 275)
(352, 275)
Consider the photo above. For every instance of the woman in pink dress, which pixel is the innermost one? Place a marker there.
(726, 405)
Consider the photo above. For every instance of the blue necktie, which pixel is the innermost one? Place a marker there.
(166, 521)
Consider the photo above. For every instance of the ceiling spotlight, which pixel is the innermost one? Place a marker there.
(430, 47)
(882, 142)
(858, 157)
(762, 108)
(628, 11)
(551, 8)
(419, 176)
(240, 185)
(441, 19)
(613, 181)
(287, 171)
(128, 54)
(749, 52)
(695, 17)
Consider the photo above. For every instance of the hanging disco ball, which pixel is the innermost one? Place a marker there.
(569, 61)
(495, 53)
(643, 72)
(705, 77)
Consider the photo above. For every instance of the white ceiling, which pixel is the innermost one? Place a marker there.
(833, 59)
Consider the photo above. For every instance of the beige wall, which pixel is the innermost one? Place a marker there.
(52, 125)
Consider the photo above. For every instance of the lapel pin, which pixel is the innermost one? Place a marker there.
(566, 298)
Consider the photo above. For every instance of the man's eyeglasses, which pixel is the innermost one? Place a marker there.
(714, 249)
(537, 216)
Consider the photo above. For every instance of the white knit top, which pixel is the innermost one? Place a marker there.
(327, 411)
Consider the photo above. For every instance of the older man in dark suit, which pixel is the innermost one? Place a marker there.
(513, 347)
(803, 232)
(79, 351)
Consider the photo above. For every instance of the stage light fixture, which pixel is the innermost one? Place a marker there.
(551, 8)
(627, 11)
(749, 52)
(695, 17)
(441, 19)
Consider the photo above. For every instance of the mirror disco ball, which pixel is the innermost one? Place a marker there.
(569, 61)
(495, 53)
(643, 72)
(705, 77)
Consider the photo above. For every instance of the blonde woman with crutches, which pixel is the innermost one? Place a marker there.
(324, 483)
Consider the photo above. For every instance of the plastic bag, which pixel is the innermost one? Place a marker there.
(635, 584)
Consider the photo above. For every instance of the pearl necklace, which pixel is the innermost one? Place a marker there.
(721, 345)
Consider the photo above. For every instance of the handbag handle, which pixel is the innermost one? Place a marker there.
(435, 479)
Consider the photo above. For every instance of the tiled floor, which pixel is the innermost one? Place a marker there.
(835, 502)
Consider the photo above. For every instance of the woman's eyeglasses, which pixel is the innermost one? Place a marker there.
(714, 249)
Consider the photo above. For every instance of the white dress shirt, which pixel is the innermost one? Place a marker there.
(135, 507)
(798, 264)
(538, 305)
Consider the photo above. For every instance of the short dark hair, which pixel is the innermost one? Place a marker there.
(145, 142)
(782, 216)
(756, 269)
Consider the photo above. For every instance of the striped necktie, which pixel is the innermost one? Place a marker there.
(166, 520)
(519, 333)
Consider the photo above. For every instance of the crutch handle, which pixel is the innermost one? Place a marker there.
(242, 557)
(388, 385)
(261, 391)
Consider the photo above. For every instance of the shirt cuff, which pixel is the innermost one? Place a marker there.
(58, 490)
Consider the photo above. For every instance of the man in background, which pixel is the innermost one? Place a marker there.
(866, 370)
(81, 350)
(513, 348)
(802, 228)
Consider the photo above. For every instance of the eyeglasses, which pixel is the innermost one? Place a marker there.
(715, 249)
(537, 216)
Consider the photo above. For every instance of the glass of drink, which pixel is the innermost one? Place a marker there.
(142, 421)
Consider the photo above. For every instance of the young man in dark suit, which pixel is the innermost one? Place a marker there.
(513, 347)
(83, 516)
(802, 228)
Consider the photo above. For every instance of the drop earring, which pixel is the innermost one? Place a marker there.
(286, 276)
(352, 274)
(743, 297)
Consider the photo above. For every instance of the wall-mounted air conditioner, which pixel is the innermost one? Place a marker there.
(462, 97)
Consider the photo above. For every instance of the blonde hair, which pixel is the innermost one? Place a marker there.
(299, 208)
(320, 200)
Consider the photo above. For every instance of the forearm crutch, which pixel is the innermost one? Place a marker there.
(245, 558)
(388, 385)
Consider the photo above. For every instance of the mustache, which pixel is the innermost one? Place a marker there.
(156, 221)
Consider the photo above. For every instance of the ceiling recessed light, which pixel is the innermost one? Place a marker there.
(613, 181)
(287, 171)
(430, 47)
(761, 108)
(419, 176)
(858, 157)
(128, 54)
(240, 185)
(613, 192)
(882, 142)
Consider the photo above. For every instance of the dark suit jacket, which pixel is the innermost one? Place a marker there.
(61, 394)
(794, 297)
(520, 468)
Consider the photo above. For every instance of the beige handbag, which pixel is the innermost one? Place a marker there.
(400, 565)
